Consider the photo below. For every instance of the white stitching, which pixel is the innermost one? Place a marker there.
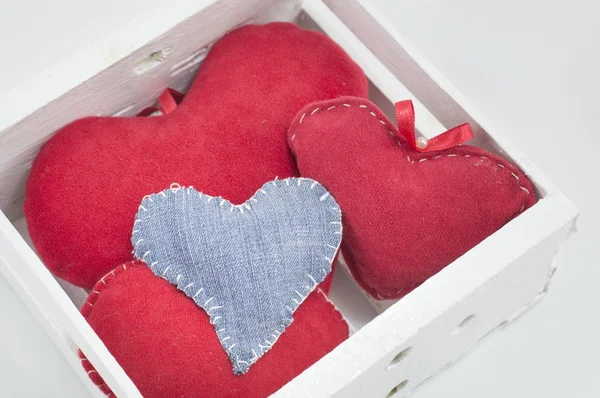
(302, 297)
(216, 307)
(400, 144)
(302, 118)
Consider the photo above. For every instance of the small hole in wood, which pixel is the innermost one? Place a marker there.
(397, 389)
(464, 323)
(399, 357)
(151, 61)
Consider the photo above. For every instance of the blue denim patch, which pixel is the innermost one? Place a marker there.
(248, 266)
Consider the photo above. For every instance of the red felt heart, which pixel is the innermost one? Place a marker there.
(226, 139)
(168, 347)
(406, 214)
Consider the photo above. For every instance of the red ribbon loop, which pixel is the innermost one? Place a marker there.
(168, 101)
(405, 114)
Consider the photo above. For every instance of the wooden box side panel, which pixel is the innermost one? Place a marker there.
(55, 312)
(448, 315)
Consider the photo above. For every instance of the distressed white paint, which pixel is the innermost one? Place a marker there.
(496, 281)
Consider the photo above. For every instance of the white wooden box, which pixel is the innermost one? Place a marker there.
(389, 354)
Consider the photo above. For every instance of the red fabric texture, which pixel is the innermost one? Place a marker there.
(167, 346)
(406, 214)
(226, 138)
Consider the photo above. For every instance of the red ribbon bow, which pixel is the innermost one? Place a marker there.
(405, 114)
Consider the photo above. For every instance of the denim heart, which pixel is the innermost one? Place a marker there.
(248, 266)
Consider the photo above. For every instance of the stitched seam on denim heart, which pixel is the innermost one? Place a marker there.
(88, 307)
(390, 130)
(148, 201)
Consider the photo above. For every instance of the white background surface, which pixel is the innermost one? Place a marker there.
(531, 66)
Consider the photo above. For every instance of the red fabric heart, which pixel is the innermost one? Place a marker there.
(406, 214)
(169, 349)
(226, 138)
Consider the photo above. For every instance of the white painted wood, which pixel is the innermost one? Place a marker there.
(496, 281)
(77, 294)
(56, 313)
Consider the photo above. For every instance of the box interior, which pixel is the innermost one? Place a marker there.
(345, 294)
